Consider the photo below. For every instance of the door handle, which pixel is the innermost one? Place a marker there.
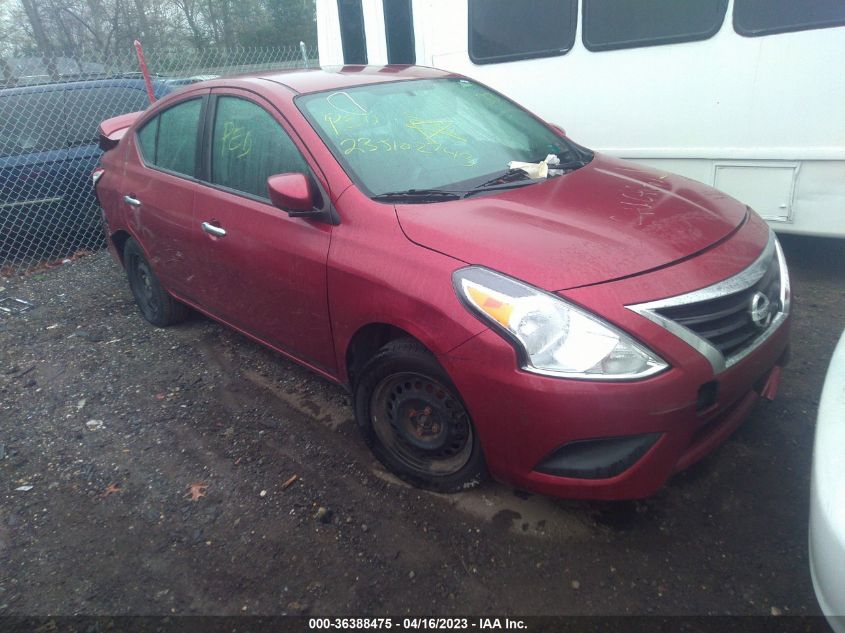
(216, 231)
(132, 201)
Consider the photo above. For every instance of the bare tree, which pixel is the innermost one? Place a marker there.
(190, 10)
(38, 31)
(74, 28)
(42, 40)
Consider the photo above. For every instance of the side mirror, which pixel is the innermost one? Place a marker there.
(294, 194)
(557, 129)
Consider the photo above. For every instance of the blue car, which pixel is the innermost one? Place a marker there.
(48, 148)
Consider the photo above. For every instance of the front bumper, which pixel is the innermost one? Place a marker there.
(523, 418)
(665, 422)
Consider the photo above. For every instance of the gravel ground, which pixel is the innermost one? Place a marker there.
(114, 424)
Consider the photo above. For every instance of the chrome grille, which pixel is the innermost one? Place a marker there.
(727, 320)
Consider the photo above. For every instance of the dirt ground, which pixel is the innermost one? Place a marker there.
(110, 421)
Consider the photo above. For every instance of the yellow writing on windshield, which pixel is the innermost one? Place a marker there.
(347, 114)
(349, 122)
(434, 130)
(365, 145)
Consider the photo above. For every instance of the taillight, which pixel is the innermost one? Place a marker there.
(97, 174)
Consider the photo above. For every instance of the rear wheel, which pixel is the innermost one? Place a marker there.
(156, 306)
(414, 420)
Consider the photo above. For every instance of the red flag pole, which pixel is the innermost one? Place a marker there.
(145, 71)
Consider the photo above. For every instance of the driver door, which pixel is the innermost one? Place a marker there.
(260, 270)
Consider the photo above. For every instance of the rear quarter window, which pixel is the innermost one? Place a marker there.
(147, 141)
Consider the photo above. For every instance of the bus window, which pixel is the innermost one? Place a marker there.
(504, 30)
(352, 38)
(399, 31)
(764, 17)
(615, 24)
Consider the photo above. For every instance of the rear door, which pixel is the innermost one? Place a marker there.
(158, 190)
(261, 270)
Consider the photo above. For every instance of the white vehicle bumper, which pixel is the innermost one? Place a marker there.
(827, 495)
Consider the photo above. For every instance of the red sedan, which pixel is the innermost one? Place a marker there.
(498, 298)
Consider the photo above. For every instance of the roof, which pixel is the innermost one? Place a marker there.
(305, 81)
(28, 70)
(160, 87)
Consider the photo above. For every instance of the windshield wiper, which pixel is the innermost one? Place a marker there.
(498, 187)
(508, 176)
(569, 166)
(420, 195)
(516, 176)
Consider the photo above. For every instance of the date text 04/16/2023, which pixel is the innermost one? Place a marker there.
(416, 624)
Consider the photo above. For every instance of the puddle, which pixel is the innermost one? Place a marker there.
(515, 511)
(327, 413)
(625, 516)
(506, 509)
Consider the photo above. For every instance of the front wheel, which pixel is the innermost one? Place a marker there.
(155, 304)
(414, 420)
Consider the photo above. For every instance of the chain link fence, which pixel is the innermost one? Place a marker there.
(50, 110)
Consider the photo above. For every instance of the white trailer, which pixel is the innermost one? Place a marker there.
(745, 95)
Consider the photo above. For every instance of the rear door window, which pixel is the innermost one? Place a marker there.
(169, 141)
(248, 146)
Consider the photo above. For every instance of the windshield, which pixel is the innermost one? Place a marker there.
(433, 134)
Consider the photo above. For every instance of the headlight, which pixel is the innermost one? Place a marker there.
(553, 336)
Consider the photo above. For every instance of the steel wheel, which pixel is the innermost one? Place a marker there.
(155, 304)
(413, 418)
(419, 420)
(141, 284)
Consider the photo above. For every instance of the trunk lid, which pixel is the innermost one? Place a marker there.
(112, 130)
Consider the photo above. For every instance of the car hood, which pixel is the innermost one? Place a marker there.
(609, 219)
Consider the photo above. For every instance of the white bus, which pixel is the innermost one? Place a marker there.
(745, 95)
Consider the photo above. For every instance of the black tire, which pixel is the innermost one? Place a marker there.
(414, 420)
(155, 304)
